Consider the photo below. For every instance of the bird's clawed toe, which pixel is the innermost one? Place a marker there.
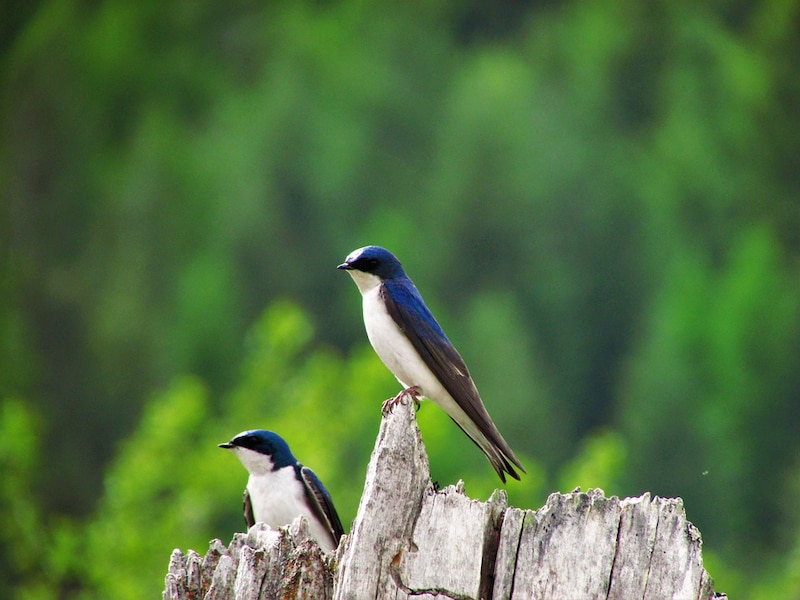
(410, 393)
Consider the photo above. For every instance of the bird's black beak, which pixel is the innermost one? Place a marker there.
(227, 445)
(344, 266)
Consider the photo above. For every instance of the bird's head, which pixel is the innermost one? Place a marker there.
(370, 265)
(261, 451)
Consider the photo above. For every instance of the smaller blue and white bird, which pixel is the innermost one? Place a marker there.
(280, 489)
(413, 346)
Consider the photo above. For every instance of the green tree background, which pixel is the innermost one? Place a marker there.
(600, 201)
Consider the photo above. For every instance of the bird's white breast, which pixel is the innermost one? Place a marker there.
(278, 498)
(399, 355)
(396, 351)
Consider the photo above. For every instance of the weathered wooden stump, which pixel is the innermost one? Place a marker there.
(411, 541)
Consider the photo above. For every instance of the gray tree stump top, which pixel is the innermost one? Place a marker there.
(411, 541)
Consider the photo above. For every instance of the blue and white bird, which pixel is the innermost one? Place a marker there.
(280, 489)
(413, 346)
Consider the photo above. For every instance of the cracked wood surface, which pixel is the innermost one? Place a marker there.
(411, 541)
(262, 563)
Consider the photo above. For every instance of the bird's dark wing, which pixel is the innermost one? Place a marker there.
(406, 307)
(249, 519)
(321, 503)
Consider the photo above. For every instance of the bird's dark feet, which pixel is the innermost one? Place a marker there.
(411, 393)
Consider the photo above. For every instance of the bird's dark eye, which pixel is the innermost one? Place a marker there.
(372, 263)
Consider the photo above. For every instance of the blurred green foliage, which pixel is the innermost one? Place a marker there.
(598, 200)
